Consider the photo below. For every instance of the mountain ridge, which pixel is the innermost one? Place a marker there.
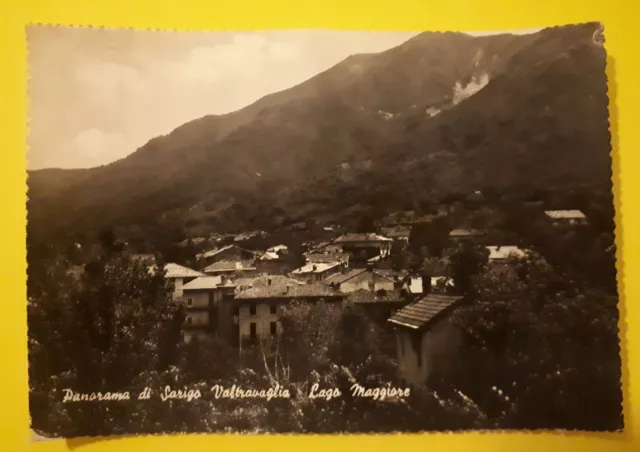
(390, 109)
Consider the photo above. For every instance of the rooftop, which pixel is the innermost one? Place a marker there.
(315, 268)
(173, 270)
(269, 256)
(325, 257)
(288, 291)
(207, 282)
(565, 214)
(503, 252)
(419, 314)
(361, 237)
(265, 280)
(212, 253)
(224, 266)
(340, 278)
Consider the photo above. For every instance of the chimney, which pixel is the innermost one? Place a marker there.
(269, 281)
(426, 283)
(315, 267)
(370, 266)
(223, 280)
(287, 289)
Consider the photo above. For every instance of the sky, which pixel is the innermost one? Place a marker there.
(96, 95)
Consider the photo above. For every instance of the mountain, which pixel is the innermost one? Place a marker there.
(442, 113)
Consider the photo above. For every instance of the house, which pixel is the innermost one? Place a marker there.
(177, 276)
(566, 217)
(363, 246)
(255, 310)
(226, 253)
(315, 273)
(500, 253)
(276, 260)
(202, 299)
(381, 304)
(231, 267)
(360, 279)
(426, 339)
(462, 234)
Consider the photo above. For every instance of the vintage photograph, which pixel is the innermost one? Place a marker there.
(317, 231)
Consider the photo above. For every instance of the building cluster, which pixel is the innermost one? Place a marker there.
(238, 294)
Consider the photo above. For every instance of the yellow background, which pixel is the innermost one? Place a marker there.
(622, 30)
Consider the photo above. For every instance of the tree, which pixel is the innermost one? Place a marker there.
(466, 261)
(366, 224)
(542, 349)
(432, 235)
(102, 331)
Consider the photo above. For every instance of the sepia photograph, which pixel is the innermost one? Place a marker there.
(320, 232)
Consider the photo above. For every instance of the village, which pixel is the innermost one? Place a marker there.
(236, 293)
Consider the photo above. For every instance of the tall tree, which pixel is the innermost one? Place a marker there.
(542, 348)
(103, 330)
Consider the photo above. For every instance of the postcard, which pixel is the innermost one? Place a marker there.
(316, 231)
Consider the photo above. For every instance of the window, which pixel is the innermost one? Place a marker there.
(189, 320)
(274, 328)
(252, 330)
(189, 302)
(252, 309)
(273, 309)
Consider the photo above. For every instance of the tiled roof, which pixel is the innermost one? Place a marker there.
(339, 278)
(222, 266)
(315, 268)
(206, 282)
(366, 296)
(359, 237)
(565, 214)
(288, 291)
(178, 271)
(263, 280)
(503, 252)
(212, 253)
(417, 315)
(326, 257)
